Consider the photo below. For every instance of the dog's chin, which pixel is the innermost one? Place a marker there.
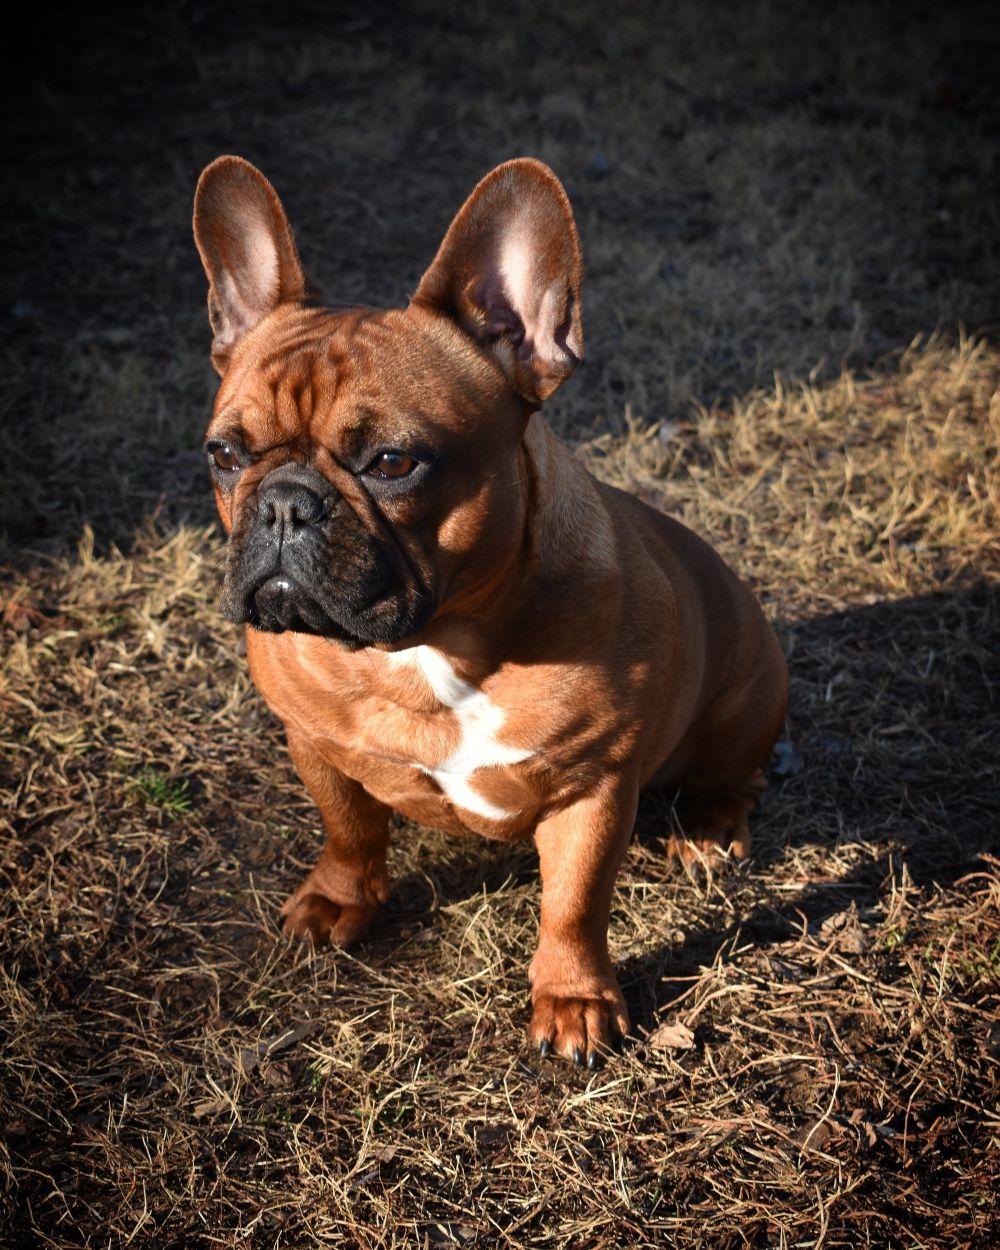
(279, 605)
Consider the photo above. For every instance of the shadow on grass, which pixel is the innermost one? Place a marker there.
(894, 711)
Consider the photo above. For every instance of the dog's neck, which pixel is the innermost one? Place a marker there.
(567, 552)
(569, 529)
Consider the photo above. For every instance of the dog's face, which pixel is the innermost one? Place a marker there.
(359, 499)
(367, 464)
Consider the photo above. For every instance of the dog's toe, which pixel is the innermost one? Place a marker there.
(583, 1030)
(714, 846)
(314, 918)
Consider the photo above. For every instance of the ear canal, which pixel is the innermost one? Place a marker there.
(247, 248)
(510, 271)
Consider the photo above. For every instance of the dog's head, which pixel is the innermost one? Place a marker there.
(366, 464)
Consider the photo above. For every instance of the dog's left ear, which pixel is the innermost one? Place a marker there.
(247, 248)
(509, 272)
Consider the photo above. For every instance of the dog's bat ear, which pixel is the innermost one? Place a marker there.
(247, 248)
(509, 272)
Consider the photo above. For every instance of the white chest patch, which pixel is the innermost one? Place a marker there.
(479, 720)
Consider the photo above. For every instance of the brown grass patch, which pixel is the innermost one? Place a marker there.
(175, 1070)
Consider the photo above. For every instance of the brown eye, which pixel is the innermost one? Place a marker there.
(392, 464)
(225, 458)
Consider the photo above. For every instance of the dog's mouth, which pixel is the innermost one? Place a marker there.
(281, 604)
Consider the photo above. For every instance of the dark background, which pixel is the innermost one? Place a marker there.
(759, 186)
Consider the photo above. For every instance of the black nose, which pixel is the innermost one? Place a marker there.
(284, 507)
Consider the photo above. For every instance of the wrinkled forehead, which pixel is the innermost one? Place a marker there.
(340, 378)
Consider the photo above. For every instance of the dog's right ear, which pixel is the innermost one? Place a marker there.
(247, 248)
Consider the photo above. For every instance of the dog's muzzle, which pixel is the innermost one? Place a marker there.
(303, 560)
(288, 510)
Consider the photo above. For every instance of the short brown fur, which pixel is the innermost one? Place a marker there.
(615, 647)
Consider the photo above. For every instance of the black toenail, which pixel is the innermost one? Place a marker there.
(544, 1047)
(594, 1061)
(578, 1057)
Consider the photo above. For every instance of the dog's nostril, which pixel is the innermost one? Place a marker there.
(290, 506)
(307, 508)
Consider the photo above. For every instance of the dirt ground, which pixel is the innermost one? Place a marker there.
(791, 223)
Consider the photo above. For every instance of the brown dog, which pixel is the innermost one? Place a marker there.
(453, 619)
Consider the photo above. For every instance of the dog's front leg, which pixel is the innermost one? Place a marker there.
(578, 1009)
(338, 899)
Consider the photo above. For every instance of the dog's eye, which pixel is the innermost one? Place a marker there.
(224, 458)
(391, 464)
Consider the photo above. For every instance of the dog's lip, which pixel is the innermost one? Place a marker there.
(284, 583)
(274, 601)
(280, 581)
(277, 584)
(268, 590)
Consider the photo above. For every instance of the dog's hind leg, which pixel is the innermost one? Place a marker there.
(724, 774)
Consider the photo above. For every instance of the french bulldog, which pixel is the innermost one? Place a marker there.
(452, 618)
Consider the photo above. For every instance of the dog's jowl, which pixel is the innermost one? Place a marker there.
(451, 617)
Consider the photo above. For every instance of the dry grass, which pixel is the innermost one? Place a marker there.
(817, 1060)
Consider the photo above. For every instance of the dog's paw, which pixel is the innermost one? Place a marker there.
(314, 918)
(715, 844)
(714, 824)
(581, 1029)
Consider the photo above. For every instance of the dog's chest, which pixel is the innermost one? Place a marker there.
(416, 733)
(456, 740)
